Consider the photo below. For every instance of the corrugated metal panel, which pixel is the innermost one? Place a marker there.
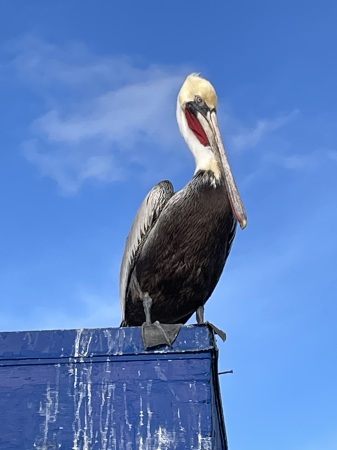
(98, 389)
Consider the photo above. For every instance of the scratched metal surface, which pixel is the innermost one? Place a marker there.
(98, 389)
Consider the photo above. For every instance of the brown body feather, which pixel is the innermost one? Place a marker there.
(184, 254)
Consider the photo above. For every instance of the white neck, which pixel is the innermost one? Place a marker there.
(204, 157)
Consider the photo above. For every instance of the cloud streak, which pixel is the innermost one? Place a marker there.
(249, 137)
(103, 116)
(86, 145)
(302, 161)
(97, 109)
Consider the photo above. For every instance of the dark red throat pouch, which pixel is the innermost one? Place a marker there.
(196, 127)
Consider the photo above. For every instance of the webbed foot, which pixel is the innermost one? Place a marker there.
(157, 333)
(200, 320)
(222, 335)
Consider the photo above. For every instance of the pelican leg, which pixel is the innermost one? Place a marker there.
(200, 312)
(147, 303)
(154, 334)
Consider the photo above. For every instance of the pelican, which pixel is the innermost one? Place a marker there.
(179, 242)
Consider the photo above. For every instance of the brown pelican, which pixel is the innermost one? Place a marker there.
(179, 242)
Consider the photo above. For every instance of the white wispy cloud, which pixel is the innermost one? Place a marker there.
(96, 108)
(310, 160)
(249, 137)
(102, 116)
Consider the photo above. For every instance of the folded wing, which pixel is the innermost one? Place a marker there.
(146, 218)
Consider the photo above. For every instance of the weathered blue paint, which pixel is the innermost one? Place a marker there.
(99, 389)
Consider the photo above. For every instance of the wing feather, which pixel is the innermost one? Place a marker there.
(231, 237)
(146, 217)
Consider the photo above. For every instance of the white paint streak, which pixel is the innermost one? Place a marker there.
(128, 423)
(111, 342)
(88, 421)
(49, 409)
(141, 443)
(141, 412)
(114, 432)
(82, 342)
(82, 392)
(181, 428)
(204, 442)
(148, 442)
(127, 431)
(106, 421)
(164, 439)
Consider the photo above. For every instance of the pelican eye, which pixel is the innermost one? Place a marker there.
(198, 100)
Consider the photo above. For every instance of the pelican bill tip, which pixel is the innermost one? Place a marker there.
(243, 223)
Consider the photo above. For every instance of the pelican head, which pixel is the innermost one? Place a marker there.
(197, 120)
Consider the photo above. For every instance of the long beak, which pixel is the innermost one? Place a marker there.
(233, 192)
(211, 127)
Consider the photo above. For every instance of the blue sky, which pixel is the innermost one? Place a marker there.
(88, 126)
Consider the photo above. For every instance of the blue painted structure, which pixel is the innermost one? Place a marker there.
(99, 389)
